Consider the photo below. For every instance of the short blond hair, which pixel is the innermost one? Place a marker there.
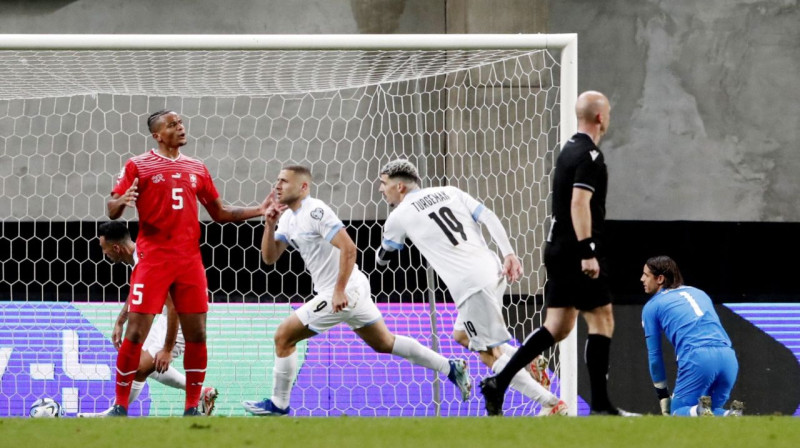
(402, 169)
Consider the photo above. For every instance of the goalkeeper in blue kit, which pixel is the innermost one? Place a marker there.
(707, 365)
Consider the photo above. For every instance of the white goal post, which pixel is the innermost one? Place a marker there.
(485, 113)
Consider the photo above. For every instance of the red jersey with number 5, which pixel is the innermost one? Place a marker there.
(167, 204)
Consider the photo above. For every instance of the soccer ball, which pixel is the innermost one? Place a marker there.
(46, 408)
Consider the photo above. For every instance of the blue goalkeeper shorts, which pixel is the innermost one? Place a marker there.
(708, 371)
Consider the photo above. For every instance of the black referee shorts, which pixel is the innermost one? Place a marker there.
(568, 286)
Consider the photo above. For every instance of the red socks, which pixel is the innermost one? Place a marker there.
(127, 364)
(195, 361)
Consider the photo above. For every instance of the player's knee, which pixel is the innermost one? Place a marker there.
(560, 330)
(383, 345)
(489, 357)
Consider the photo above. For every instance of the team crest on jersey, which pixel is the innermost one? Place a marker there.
(158, 178)
(317, 213)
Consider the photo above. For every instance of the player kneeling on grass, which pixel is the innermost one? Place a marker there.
(164, 341)
(707, 365)
(343, 291)
(443, 223)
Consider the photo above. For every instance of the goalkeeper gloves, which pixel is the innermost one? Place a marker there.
(664, 400)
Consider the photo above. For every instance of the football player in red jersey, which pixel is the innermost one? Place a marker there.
(165, 186)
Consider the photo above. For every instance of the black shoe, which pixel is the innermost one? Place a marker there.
(192, 412)
(492, 396)
(117, 411)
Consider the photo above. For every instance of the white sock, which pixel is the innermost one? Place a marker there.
(136, 389)
(693, 411)
(172, 378)
(508, 349)
(283, 379)
(420, 355)
(523, 383)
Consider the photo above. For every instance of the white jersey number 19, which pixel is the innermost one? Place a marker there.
(447, 221)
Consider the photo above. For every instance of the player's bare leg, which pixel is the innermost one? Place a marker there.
(496, 358)
(289, 333)
(380, 339)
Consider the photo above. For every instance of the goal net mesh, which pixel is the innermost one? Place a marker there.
(485, 121)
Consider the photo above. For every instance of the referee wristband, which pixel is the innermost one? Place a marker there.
(586, 248)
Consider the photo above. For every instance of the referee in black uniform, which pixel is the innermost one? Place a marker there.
(574, 257)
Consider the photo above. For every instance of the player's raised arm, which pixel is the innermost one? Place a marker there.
(116, 205)
(271, 247)
(220, 212)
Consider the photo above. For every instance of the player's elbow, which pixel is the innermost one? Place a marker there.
(267, 259)
(349, 251)
(112, 210)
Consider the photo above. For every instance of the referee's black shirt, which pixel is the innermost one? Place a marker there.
(581, 165)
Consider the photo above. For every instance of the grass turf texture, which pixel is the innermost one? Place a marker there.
(651, 431)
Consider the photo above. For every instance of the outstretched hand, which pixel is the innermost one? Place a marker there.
(131, 194)
(512, 268)
(162, 360)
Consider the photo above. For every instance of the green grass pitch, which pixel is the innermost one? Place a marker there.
(561, 432)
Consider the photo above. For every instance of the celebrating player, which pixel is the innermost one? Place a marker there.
(164, 341)
(343, 291)
(442, 223)
(707, 365)
(164, 186)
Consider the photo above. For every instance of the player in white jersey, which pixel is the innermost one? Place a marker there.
(443, 223)
(343, 294)
(164, 342)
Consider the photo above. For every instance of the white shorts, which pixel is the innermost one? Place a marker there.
(481, 317)
(155, 339)
(361, 311)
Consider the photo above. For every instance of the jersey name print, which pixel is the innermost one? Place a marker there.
(442, 224)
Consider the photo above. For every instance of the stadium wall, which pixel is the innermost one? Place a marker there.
(704, 94)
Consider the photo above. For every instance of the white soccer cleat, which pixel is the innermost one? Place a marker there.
(560, 408)
(704, 407)
(539, 371)
(736, 410)
(207, 399)
(95, 414)
(460, 377)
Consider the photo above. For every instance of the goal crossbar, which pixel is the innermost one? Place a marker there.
(564, 44)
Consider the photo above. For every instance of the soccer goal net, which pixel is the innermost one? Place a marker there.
(486, 114)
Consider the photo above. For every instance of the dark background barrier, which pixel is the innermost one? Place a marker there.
(733, 262)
